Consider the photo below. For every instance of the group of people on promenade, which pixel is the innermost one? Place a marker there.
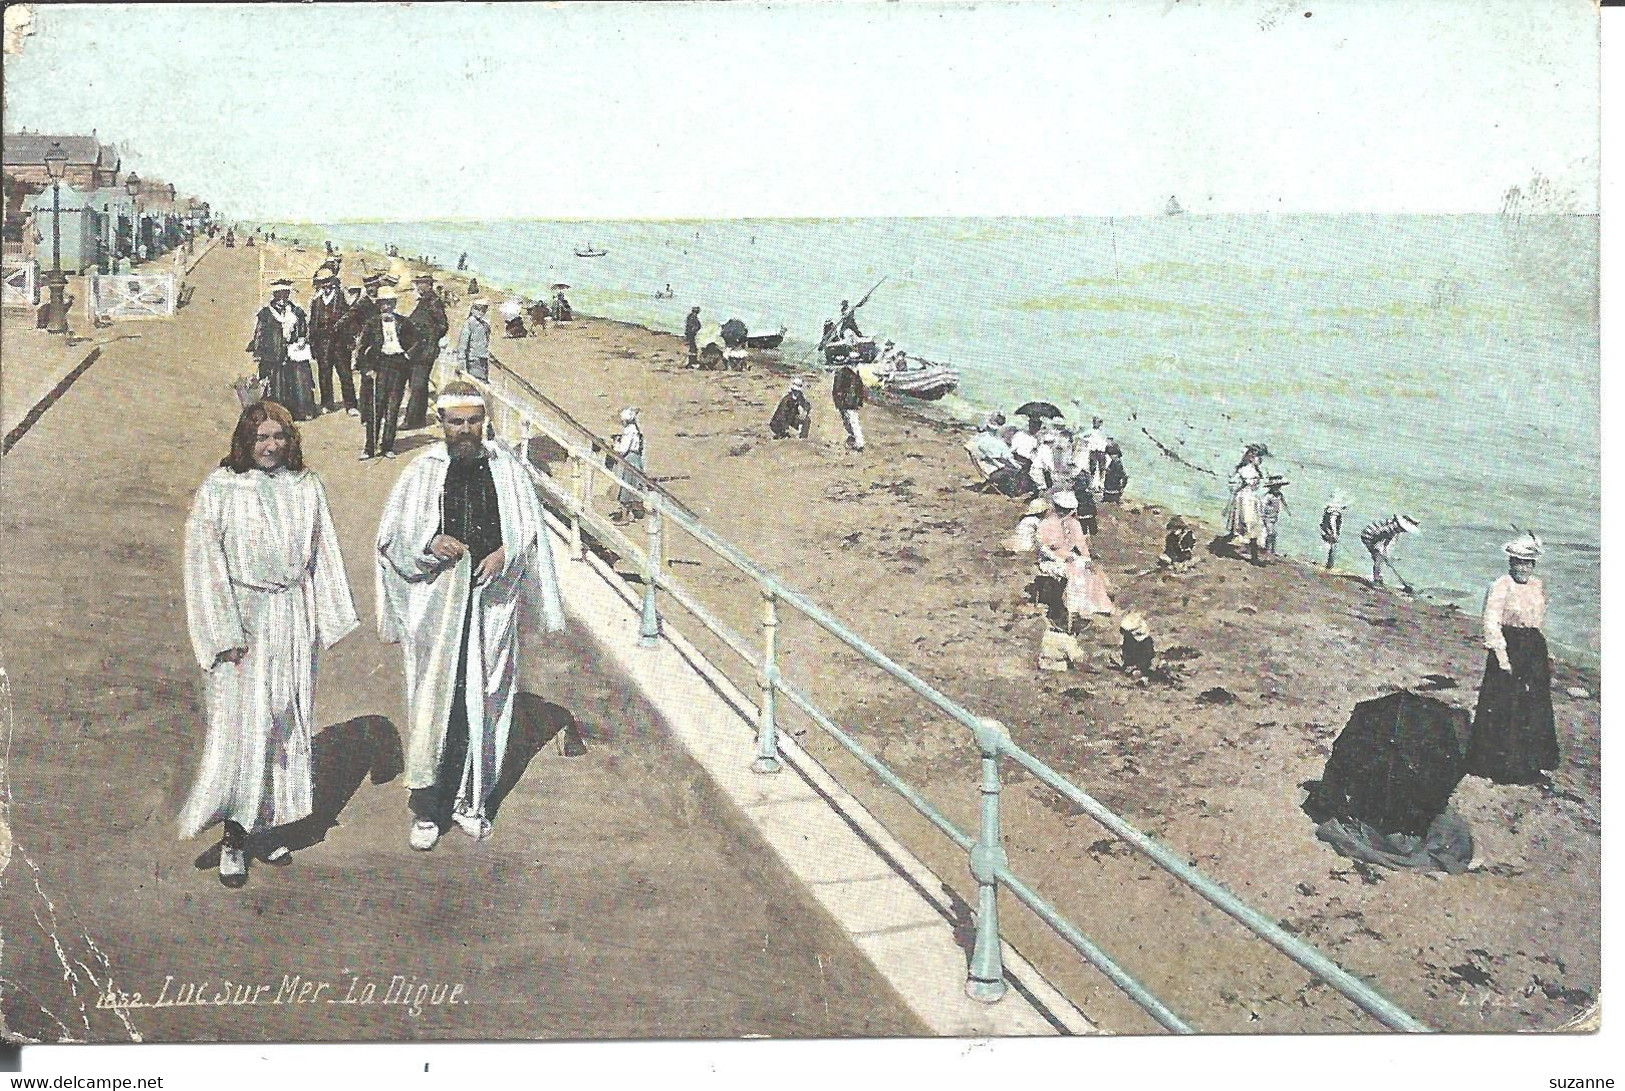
(460, 557)
(382, 359)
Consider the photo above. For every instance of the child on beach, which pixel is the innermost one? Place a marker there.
(1274, 505)
(1331, 527)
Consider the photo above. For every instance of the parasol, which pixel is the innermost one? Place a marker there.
(1040, 410)
(557, 287)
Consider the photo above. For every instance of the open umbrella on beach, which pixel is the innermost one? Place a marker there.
(1040, 410)
(558, 287)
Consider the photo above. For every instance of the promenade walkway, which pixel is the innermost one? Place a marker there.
(622, 894)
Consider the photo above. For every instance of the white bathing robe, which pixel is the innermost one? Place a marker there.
(262, 571)
(422, 603)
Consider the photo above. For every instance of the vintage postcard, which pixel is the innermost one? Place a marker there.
(544, 522)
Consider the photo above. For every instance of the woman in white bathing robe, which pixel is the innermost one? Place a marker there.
(263, 572)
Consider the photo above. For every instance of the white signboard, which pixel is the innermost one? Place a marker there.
(19, 288)
(139, 295)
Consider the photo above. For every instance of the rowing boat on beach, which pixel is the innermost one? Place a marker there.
(765, 340)
(922, 379)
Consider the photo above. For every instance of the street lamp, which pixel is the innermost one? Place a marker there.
(132, 186)
(56, 165)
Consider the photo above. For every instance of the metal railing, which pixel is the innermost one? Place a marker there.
(520, 413)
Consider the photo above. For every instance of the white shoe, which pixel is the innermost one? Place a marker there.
(423, 836)
(353, 412)
(476, 826)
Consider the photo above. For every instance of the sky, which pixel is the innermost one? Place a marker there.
(1108, 107)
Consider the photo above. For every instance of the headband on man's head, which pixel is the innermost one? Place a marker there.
(459, 401)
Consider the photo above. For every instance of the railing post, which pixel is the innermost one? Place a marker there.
(578, 482)
(767, 731)
(649, 636)
(985, 981)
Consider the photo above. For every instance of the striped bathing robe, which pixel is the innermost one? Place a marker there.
(262, 571)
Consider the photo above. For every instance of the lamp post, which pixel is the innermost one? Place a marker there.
(132, 186)
(56, 165)
(171, 237)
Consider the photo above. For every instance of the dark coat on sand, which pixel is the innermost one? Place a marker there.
(848, 389)
(794, 412)
(327, 321)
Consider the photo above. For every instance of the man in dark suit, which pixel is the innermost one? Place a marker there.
(328, 341)
(384, 358)
(363, 309)
(429, 319)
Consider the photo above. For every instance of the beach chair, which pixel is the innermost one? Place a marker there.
(984, 481)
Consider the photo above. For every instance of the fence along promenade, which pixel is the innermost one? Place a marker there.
(519, 413)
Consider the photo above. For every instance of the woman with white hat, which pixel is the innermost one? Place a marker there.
(630, 449)
(1514, 739)
(1063, 551)
(1024, 538)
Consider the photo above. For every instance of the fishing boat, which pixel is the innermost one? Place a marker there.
(765, 340)
(921, 379)
(589, 251)
(863, 352)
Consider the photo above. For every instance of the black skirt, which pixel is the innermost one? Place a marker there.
(1514, 739)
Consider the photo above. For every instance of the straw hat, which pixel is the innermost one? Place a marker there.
(1525, 547)
(1037, 507)
(1134, 624)
(629, 414)
(1067, 500)
(1408, 525)
(479, 301)
(387, 293)
(798, 383)
(281, 284)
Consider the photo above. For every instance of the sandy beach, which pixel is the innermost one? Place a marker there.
(892, 541)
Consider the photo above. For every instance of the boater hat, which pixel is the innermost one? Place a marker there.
(281, 284)
(1037, 507)
(1526, 547)
(1407, 524)
(629, 414)
(372, 280)
(1067, 500)
(479, 301)
(1134, 624)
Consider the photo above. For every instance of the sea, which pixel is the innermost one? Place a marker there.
(1444, 367)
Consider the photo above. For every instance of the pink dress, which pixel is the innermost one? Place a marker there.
(1063, 549)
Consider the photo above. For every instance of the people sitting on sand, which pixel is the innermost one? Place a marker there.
(1139, 650)
(1115, 478)
(538, 316)
(513, 320)
(794, 412)
(1273, 507)
(562, 311)
(992, 456)
(1178, 547)
(1023, 538)
(1063, 552)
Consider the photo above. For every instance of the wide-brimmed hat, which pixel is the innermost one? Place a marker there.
(1037, 506)
(479, 301)
(1275, 481)
(387, 293)
(421, 277)
(1407, 524)
(629, 414)
(798, 382)
(1134, 624)
(1066, 499)
(1525, 547)
(281, 284)
(372, 280)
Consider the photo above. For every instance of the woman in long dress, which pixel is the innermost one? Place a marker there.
(1063, 552)
(1244, 515)
(265, 589)
(1514, 739)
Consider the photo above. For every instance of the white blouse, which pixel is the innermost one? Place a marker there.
(1520, 605)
